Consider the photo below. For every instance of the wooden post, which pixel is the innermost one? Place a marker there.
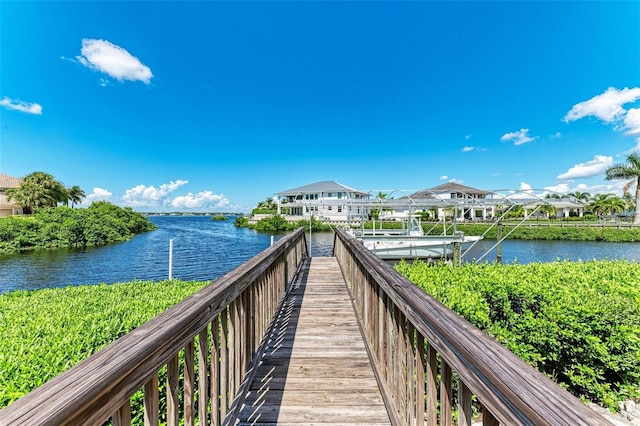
(456, 253)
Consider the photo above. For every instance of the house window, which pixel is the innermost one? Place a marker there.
(339, 209)
(340, 195)
(329, 194)
(329, 208)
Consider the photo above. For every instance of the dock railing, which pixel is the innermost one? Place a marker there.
(216, 331)
(417, 345)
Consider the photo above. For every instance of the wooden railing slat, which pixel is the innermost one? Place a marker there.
(151, 402)
(464, 404)
(432, 386)
(446, 394)
(214, 376)
(189, 384)
(123, 416)
(203, 379)
(173, 416)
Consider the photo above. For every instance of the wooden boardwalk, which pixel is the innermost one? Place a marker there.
(315, 369)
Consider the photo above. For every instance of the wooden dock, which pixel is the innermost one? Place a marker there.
(315, 369)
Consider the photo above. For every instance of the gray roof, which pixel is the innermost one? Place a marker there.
(456, 187)
(445, 188)
(324, 186)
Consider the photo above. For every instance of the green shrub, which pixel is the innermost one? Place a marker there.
(45, 332)
(577, 322)
(101, 223)
(241, 222)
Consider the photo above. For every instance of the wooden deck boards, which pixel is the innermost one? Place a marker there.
(315, 369)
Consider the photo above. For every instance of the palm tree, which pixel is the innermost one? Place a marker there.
(580, 196)
(599, 203)
(629, 170)
(38, 190)
(613, 205)
(629, 202)
(29, 195)
(548, 210)
(75, 195)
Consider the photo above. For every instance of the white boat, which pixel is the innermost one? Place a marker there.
(411, 243)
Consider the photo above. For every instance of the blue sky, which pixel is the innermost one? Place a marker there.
(214, 106)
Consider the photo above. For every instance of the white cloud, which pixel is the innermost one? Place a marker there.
(519, 138)
(113, 60)
(632, 121)
(524, 186)
(615, 187)
(454, 180)
(557, 135)
(561, 188)
(444, 177)
(147, 196)
(525, 192)
(98, 194)
(597, 166)
(467, 149)
(468, 137)
(28, 107)
(204, 200)
(606, 106)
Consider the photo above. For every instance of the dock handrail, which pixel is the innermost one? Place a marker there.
(397, 319)
(224, 322)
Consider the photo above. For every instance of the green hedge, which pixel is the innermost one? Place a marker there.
(45, 332)
(101, 223)
(551, 232)
(577, 322)
(277, 223)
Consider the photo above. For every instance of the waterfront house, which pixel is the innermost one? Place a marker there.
(7, 208)
(327, 201)
(561, 209)
(470, 203)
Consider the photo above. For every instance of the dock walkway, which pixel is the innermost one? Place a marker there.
(315, 369)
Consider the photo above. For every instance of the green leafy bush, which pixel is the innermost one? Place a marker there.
(45, 332)
(99, 224)
(241, 222)
(557, 231)
(576, 322)
(277, 223)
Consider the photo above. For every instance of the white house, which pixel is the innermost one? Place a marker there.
(327, 201)
(561, 208)
(7, 208)
(451, 198)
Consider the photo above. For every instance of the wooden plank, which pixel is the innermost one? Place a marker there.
(315, 368)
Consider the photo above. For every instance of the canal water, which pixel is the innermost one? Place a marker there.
(205, 250)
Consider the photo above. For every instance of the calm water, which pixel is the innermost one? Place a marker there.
(205, 249)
